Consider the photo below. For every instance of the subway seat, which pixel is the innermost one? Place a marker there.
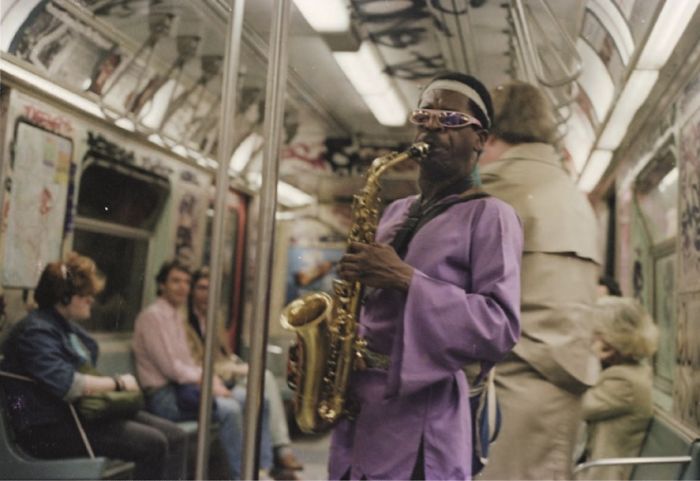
(668, 452)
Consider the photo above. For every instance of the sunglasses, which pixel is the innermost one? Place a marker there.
(446, 118)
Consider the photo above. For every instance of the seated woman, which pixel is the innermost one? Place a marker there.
(619, 407)
(49, 348)
(234, 372)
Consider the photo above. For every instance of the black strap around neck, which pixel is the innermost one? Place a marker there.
(417, 218)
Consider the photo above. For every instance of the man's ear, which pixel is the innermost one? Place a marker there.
(482, 139)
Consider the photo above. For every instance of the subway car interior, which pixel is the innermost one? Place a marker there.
(234, 134)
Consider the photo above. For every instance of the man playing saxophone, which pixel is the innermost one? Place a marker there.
(442, 287)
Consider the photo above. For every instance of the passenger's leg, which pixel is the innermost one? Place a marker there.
(52, 441)
(229, 414)
(279, 428)
(163, 403)
(279, 431)
(176, 462)
(265, 439)
(129, 440)
(133, 441)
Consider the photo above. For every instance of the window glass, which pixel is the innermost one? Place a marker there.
(125, 195)
(657, 195)
(121, 259)
(665, 317)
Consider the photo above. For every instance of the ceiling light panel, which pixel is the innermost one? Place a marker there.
(325, 16)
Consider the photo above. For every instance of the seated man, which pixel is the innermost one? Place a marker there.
(234, 371)
(163, 362)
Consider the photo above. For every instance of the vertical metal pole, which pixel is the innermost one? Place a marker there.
(274, 116)
(518, 14)
(226, 129)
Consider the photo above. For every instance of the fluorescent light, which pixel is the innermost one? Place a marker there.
(668, 28)
(365, 71)
(290, 196)
(52, 89)
(670, 179)
(633, 96)
(595, 80)
(13, 16)
(287, 195)
(180, 150)
(125, 124)
(155, 109)
(325, 16)
(244, 152)
(387, 108)
(285, 215)
(156, 139)
(595, 168)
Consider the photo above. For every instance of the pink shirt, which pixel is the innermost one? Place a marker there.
(160, 347)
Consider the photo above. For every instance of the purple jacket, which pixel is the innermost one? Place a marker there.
(463, 304)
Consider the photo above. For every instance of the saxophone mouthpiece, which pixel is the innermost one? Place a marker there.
(419, 150)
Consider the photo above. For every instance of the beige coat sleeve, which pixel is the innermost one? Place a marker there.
(611, 397)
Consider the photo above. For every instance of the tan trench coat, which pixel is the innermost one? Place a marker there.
(618, 410)
(540, 386)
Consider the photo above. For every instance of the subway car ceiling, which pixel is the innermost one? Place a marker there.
(153, 68)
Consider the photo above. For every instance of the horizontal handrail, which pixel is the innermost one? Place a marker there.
(685, 459)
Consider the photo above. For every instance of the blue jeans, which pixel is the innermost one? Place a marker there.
(266, 453)
(229, 414)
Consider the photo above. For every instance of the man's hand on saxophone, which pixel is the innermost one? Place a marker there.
(375, 265)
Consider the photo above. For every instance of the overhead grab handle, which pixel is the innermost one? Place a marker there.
(543, 58)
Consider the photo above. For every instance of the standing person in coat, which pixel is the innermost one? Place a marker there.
(449, 298)
(619, 407)
(540, 384)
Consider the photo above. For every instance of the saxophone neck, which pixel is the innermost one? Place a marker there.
(381, 164)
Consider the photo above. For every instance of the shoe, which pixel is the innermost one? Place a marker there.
(287, 460)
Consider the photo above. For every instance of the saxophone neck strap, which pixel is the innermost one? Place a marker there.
(418, 216)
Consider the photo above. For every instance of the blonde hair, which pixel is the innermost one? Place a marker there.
(522, 114)
(626, 326)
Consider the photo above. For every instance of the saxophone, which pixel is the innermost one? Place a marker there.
(327, 345)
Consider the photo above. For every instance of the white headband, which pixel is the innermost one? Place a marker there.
(459, 87)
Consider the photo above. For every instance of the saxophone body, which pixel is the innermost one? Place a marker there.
(326, 326)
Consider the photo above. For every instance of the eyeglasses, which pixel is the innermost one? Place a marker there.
(446, 118)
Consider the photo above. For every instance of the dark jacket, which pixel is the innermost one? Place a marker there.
(39, 347)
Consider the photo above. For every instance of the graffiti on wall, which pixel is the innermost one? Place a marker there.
(686, 385)
(689, 192)
(38, 192)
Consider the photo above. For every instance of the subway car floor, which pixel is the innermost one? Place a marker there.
(312, 451)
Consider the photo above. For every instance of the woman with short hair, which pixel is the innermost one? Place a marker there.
(48, 347)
